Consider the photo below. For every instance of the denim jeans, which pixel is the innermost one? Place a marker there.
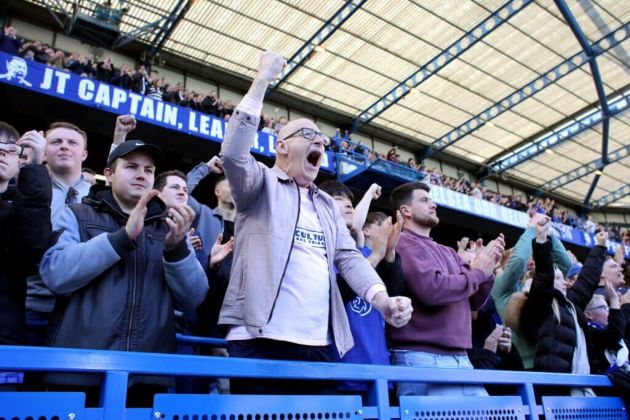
(432, 360)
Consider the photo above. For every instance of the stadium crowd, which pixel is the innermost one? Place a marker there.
(141, 81)
(282, 268)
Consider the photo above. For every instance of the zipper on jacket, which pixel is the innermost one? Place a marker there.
(134, 287)
(286, 264)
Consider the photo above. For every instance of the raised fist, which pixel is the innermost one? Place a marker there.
(271, 65)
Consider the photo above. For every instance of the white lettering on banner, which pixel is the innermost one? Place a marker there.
(170, 115)
(256, 144)
(102, 95)
(47, 82)
(192, 124)
(119, 97)
(217, 129)
(587, 239)
(62, 77)
(204, 124)
(272, 143)
(147, 110)
(135, 99)
(324, 159)
(86, 89)
(159, 110)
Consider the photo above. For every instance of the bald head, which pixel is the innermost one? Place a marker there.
(294, 125)
(299, 157)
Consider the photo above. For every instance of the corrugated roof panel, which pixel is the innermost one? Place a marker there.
(499, 137)
(617, 75)
(389, 35)
(464, 15)
(477, 145)
(531, 177)
(433, 108)
(445, 91)
(420, 130)
(464, 74)
(592, 19)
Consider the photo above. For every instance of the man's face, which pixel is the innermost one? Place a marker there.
(345, 208)
(301, 157)
(598, 311)
(133, 176)
(422, 211)
(612, 272)
(174, 192)
(9, 161)
(223, 193)
(65, 150)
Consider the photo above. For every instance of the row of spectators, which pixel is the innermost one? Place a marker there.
(543, 205)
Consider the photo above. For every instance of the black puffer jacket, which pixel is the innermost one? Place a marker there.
(556, 341)
(25, 234)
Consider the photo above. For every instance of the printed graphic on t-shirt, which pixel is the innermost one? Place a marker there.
(310, 238)
(360, 306)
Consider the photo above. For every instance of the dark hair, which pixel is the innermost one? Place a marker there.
(160, 181)
(88, 170)
(402, 194)
(69, 126)
(336, 189)
(8, 134)
(221, 179)
(375, 217)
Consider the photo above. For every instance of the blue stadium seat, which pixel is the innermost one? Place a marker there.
(215, 407)
(565, 408)
(42, 405)
(457, 408)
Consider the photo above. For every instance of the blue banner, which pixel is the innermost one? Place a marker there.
(71, 87)
(482, 208)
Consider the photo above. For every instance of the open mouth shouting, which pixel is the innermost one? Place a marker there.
(314, 158)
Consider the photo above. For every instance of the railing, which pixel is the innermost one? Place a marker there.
(118, 366)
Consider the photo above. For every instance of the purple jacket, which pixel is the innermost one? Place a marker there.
(443, 290)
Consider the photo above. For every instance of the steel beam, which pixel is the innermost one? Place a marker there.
(611, 197)
(322, 34)
(558, 136)
(528, 90)
(440, 61)
(138, 32)
(176, 15)
(586, 169)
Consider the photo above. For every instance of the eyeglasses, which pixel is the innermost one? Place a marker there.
(310, 134)
(11, 148)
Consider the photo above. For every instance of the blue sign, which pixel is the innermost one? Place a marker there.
(486, 209)
(71, 87)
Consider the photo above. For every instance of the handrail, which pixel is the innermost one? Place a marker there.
(117, 366)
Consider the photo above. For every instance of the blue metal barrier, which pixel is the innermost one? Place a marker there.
(118, 366)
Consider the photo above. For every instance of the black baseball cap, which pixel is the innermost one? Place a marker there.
(129, 146)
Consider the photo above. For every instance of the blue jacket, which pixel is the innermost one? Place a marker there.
(208, 224)
(114, 293)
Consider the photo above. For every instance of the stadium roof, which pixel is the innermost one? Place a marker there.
(510, 86)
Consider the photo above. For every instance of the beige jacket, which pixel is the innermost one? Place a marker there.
(268, 204)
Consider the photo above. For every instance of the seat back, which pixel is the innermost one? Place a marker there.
(584, 408)
(457, 408)
(42, 405)
(263, 407)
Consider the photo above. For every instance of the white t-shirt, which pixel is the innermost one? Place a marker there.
(302, 307)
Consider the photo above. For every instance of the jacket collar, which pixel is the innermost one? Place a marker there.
(101, 197)
(284, 178)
